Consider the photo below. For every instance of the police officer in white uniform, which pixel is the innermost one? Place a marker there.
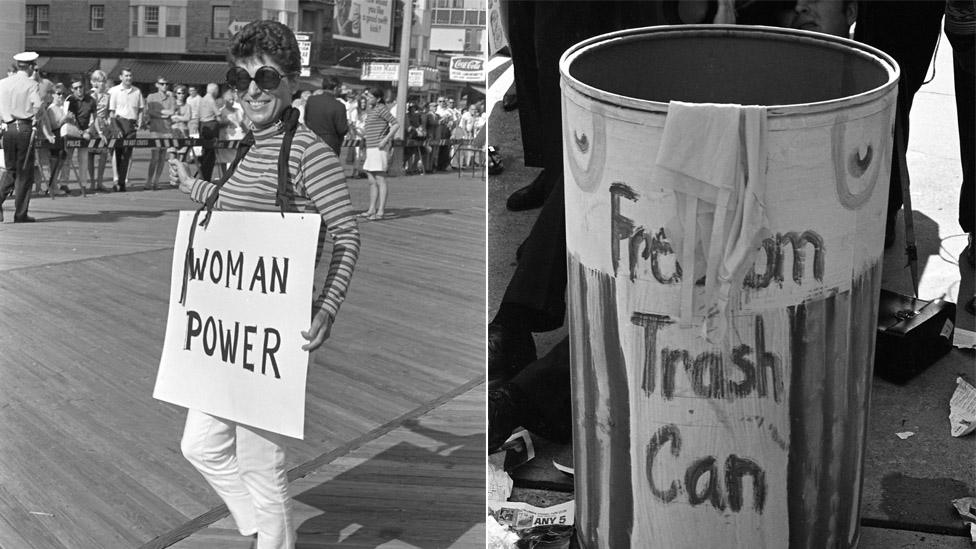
(19, 103)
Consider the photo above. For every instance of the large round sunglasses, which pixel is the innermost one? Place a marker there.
(267, 78)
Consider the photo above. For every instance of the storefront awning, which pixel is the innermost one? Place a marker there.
(176, 72)
(69, 65)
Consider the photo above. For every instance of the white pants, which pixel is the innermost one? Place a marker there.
(246, 467)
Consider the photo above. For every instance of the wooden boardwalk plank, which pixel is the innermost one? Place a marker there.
(409, 488)
(83, 302)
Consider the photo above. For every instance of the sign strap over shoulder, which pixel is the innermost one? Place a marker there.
(289, 120)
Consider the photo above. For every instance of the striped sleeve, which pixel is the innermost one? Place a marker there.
(388, 116)
(325, 185)
(200, 190)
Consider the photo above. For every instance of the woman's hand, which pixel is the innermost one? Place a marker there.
(320, 330)
(186, 181)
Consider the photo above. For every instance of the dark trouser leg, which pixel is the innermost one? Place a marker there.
(208, 130)
(16, 143)
(535, 299)
(907, 31)
(127, 130)
(963, 67)
(545, 386)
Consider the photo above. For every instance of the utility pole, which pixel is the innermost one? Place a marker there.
(403, 82)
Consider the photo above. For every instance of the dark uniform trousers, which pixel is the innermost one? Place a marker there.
(17, 179)
(209, 130)
(126, 129)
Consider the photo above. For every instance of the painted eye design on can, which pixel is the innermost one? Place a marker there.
(856, 173)
(582, 143)
(856, 165)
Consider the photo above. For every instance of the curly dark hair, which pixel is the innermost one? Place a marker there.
(270, 39)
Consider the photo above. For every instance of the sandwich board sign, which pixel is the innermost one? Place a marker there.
(233, 346)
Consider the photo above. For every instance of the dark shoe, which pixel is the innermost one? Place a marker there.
(530, 196)
(24, 219)
(508, 351)
(504, 414)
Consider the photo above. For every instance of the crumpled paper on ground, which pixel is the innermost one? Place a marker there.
(967, 507)
(499, 484)
(962, 409)
(498, 536)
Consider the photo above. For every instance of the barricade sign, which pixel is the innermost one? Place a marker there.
(233, 347)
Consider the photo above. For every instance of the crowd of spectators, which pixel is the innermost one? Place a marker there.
(96, 107)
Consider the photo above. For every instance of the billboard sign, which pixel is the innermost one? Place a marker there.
(363, 21)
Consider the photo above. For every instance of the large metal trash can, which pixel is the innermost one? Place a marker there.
(756, 440)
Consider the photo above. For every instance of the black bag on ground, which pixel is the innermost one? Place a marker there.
(912, 335)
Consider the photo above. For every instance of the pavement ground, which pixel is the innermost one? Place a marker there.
(908, 484)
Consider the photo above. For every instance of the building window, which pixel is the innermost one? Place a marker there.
(174, 22)
(150, 21)
(221, 22)
(458, 17)
(472, 39)
(37, 20)
(97, 17)
(156, 21)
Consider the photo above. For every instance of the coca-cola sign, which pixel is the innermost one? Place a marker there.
(467, 69)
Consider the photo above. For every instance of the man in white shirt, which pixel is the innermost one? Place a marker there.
(125, 109)
(20, 101)
(193, 126)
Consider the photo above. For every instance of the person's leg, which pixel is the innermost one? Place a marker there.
(124, 155)
(261, 459)
(84, 172)
(373, 194)
(210, 445)
(25, 177)
(152, 177)
(538, 398)
(7, 182)
(534, 299)
(907, 30)
(208, 131)
(965, 88)
(381, 193)
(103, 161)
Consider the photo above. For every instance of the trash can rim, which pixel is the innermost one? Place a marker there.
(588, 45)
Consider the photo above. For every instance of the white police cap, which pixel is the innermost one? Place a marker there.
(26, 57)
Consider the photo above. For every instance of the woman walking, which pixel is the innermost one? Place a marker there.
(243, 464)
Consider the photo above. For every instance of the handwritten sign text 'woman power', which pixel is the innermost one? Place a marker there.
(234, 347)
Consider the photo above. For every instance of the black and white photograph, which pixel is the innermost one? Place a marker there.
(730, 293)
(243, 277)
(513, 274)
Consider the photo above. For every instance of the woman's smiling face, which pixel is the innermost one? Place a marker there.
(264, 108)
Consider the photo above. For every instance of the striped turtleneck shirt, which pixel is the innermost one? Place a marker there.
(318, 184)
